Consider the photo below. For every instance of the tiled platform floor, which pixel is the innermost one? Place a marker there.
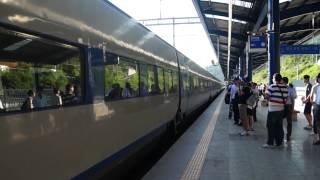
(233, 157)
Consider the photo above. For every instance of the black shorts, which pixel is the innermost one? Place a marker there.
(307, 108)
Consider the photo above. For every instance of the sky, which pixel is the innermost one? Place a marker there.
(190, 39)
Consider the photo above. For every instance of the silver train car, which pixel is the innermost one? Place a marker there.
(84, 87)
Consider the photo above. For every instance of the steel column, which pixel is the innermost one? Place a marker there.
(241, 66)
(249, 76)
(273, 38)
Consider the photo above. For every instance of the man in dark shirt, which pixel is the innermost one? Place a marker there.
(308, 104)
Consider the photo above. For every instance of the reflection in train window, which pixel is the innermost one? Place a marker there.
(160, 84)
(185, 81)
(195, 82)
(175, 81)
(122, 80)
(168, 81)
(37, 73)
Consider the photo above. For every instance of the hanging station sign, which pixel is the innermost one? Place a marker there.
(257, 43)
(300, 49)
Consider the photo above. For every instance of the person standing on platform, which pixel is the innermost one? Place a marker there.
(228, 100)
(314, 98)
(289, 107)
(244, 94)
(308, 105)
(234, 100)
(255, 91)
(276, 94)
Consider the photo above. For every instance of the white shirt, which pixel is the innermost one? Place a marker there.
(234, 91)
(315, 93)
(291, 95)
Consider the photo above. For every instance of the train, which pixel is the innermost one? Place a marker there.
(84, 87)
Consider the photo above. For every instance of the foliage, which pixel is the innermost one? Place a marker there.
(16, 79)
(119, 74)
(32, 76)
(291, 66)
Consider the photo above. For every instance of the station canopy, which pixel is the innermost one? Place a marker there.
(299, 21)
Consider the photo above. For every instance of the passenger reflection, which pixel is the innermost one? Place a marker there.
(115, 92)
(143, 90)
(40, 100)
(128, 91)
(28, 103)
(56, 100)
(69, 94)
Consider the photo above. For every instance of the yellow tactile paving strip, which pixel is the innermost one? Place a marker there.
(194, 167)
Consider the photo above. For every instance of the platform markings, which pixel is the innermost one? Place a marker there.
(194, 167)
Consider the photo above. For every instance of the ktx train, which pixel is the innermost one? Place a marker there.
(84, 87)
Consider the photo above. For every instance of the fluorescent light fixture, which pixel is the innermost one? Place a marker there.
(17, 45)
(235, 2)
(282, 1)
(224, 18)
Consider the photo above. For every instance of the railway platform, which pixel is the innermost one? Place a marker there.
(213, 149)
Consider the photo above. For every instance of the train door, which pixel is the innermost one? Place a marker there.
(185, 86)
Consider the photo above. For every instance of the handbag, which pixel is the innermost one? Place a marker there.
(252, 101)
(227, 98)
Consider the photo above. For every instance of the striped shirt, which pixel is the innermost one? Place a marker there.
(278, 94)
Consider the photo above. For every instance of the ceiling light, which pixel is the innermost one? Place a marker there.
(224, 18)
(235, 2)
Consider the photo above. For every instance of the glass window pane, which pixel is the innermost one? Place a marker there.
(168, 81)
(175, 79)
(121, 81)
(144, 83)
(160, 80)
(152, 88)
(37, 73)
(130, 75)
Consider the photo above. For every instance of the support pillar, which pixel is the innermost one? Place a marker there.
(248, 60)
(249, 63)
(273, 38)
(242, 65)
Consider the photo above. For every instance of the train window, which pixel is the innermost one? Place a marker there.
(186, 86)
(37, 73)
(160, 83)
(121, 81)
(195, 82)
(175, 81)
(191, 82)
(144, 80)
(201, 83)
(168, 81)
(149, 80)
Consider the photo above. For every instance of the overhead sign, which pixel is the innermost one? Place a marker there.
(300, 49)
(258, 43)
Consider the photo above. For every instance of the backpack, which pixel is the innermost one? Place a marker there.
(227, 98)
(252, 100)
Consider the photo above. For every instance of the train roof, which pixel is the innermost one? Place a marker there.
(82, 22)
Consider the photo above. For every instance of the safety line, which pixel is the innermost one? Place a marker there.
(194, 167)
